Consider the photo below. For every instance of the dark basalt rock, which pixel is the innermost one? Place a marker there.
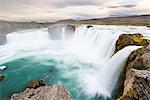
(36, 83)
(89, 26)
(148, 26)
(131, 39)
(2, 77)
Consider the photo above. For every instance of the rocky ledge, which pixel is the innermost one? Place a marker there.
(136, 74)
(131, 39)
(54, 92)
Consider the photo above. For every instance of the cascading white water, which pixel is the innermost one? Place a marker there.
(28, 35)
(94, 45)
(103, 81)
(109, 75)
(63, 33)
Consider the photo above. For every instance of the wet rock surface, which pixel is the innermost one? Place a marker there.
(54, 92)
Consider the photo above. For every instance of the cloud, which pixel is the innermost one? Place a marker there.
(53, 10)
(137, 8)
(123, 6)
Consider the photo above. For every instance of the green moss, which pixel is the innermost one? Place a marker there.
(145, 42)
(35, 84)
(131, 39)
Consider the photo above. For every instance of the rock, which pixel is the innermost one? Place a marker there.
(2, 77)
(136, 74)
(142, 62)
(137, 85)
(89, 26)
(54, 92)
(131, 39)
(70, 27)
(148, 25)
(139, 59)
(61, 31)
(36, 83)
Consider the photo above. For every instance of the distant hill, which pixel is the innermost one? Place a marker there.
(128, 20)
(6, 27)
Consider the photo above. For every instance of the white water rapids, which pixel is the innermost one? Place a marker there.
(90, 45)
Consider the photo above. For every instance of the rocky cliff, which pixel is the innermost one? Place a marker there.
(136, 74)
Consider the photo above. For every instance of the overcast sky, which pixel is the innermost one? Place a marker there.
(53, 10)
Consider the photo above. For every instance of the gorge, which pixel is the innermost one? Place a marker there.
(82, 59)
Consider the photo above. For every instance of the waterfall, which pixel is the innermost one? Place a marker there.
(88, 50)
(99, 45)
(109, 75)
(28, 35)
(63, 33)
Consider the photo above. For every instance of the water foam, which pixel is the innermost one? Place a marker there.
(94, 46)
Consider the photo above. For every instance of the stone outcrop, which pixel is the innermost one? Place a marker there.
(137, 71)
(60, 31)
(137, 85)
(139, 59)
(131, 39)
(54, 92)
(136, 74)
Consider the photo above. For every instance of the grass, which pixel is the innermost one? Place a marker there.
(118, 24)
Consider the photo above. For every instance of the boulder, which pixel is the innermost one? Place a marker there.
(2, 77)
(54, 92)
(89, 26)
(137, 85)
(131, 39)
(139, 59)
(36, 83)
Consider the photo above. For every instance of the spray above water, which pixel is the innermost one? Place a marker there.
(86, 55)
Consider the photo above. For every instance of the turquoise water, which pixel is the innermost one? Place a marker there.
(76, 63)
(55, 70)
